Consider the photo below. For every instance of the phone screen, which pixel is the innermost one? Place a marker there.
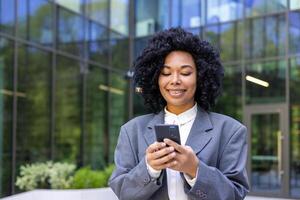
(169, 131)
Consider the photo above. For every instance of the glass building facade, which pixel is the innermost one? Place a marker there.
(62, 85)
(259, 41)
(64, 93)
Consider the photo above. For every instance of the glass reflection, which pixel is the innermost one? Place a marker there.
(294, 32)
(98, 43)
(118, 110)
(212, 34)
(295, 127)
(120, 58)
(232, 93)
(33, 118)
(67, 110)
(95, 153)
(119, 11)
(7, 16)
(265, 82)
(74, 5)
(97, 10)
(294, 4)
(6, 103)
(69, 38)
(224, 10)
(262, 7)
(156, 18)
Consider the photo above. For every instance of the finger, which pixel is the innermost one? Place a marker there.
(155, 146)
(176, 146)
(165, 159)
(162, 152)
(170, 165)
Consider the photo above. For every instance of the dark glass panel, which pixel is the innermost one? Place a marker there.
(295, 127)
(95, 117)
(262, 7)
(98, 43)
(294, 32)
(228, 43)
(265, 82)
(7, 16)
(156, 18)
(119, 48)
(255, 38)
(33, 106)
(67, 110)
(230, 102)
(139, 45)
(70, 34)
(118, 96)
(212, 34)
(6, 106)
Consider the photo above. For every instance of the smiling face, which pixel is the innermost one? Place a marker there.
(178, 81)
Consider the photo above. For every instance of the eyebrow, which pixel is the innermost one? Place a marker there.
(182, 66)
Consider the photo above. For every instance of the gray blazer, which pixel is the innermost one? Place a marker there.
(219, 142)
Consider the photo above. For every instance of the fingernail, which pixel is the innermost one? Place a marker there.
(163, 144)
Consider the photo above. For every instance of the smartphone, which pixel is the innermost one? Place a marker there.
(169, 131)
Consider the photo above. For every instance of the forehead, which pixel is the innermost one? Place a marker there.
(179, 58)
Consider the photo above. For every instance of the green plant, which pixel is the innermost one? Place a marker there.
(45, 175)
(88, 178)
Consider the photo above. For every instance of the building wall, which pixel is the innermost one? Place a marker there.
(62, 85)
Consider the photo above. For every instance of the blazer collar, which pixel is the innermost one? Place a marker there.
(198, 136)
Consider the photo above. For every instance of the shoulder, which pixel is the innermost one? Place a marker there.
(139, 121)
(225, 122)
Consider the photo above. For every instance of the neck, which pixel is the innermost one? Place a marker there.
(179, 109)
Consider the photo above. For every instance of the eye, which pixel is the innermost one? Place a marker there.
(186, 73)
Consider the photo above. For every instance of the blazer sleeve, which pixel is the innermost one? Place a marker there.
(130, 179)
(229, 180)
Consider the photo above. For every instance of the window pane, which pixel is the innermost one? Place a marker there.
(117, 89)
(212, 34)
(294, 32)
(295, 127)
(294, 4)
(74, 5)
(96, 115)
(33, 103)
(255, 38)
(232, 93)
(98, 10)
(7, 16)
(67, 110)
(69, 38)
(262, 7)
(98, 43)
(156, 18)
(224, 10)
(120, 54)
(119, 11)
(6, 102)
(265, 82)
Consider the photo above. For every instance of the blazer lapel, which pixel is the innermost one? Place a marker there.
(149, 134)
(199, 135)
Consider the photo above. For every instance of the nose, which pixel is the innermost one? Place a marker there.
(175, 79)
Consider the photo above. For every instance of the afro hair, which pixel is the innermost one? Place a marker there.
(149, 63)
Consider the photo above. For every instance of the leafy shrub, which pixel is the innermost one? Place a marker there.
(88, 178)
(45, 175)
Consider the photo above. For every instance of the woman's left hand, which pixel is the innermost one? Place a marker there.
(186, 160)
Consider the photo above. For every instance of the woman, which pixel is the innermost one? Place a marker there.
(180, 78)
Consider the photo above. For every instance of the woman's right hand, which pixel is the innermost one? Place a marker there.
(159, 156)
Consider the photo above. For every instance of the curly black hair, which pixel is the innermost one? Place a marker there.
(149, 63)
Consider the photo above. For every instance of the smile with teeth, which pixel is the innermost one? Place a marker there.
(176, 93)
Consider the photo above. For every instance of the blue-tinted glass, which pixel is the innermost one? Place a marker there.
(98, 43)
(212, 34)
(294, 32)
(228, 41)
(156, 18)
(139, 45)
(7, 16)
(261, 7)
(22, 19)
(254, 34)
(40, 22)
(224, 10)
(119, 12)
(97, 10)
(70, 38)
(119, 51)
(6, 110)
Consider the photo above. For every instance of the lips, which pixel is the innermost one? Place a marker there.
(176, 93)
